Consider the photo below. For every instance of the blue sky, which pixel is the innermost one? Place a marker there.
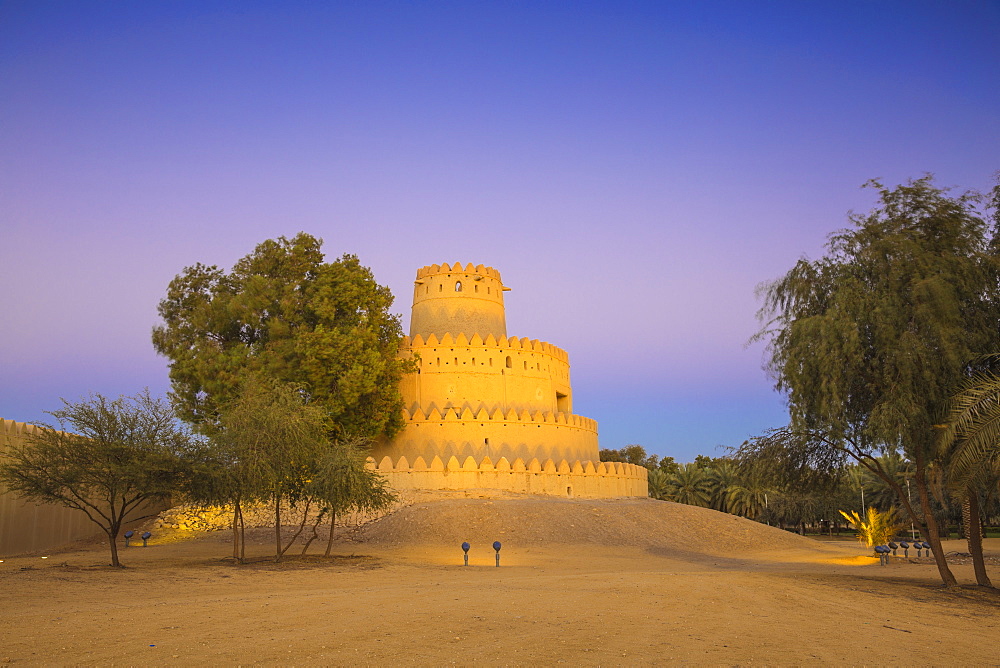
(634, 170)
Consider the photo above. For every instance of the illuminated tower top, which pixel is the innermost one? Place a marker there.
(455, 299)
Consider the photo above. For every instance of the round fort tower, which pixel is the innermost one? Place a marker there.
(454, 299)
(483, 409)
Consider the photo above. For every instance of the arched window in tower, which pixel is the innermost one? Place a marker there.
(510, 364)
(458, 286)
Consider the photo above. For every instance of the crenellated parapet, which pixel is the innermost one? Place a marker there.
(457, 268)
(460, 340)
(11, 431)
(583, 479)
(479, 395)
(496, 415)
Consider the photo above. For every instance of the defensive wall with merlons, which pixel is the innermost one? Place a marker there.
(483, 410)
(26, 526)
(580, 479)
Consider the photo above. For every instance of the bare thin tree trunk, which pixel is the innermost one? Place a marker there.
(277, 528)
(329, 540)
(974, 535)
(113, 540)
(315, 532)
(932, 536)
(302, 524)
(243, 537)
(236, 531)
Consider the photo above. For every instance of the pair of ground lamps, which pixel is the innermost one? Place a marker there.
(466, 546)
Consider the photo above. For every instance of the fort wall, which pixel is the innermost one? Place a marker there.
(578, 479)
(457, 371)
(489, 432)
(477, 395)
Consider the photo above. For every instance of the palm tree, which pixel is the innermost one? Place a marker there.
(723, 476)
(659, 484)
(690, 485)
(880, 494)
(748, 497)
(971, 444)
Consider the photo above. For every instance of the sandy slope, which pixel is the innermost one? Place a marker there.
(620, 582)
(538, 521)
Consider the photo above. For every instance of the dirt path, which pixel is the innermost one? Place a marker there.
(581, 582)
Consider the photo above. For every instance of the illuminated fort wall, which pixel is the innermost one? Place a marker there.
(479, 397)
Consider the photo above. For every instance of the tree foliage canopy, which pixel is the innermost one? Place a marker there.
(284, 312)
(870, 341)
(269, 444)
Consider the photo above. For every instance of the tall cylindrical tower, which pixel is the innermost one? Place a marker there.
(485, 411)
(455, 299)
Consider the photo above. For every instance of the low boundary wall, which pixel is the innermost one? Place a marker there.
(26, 526)
(579, 479)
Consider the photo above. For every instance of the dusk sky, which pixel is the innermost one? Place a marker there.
(633, 169)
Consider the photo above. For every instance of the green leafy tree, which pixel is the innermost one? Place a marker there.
(284, 312)
(342, 483)
(107, 459)
(704, 462)
(630, 454)
(266, 445)
(668, 465)
(869, 342)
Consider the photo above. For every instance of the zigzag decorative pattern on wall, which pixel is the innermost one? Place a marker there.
(495, 414)
(588, 468)
(504, 343)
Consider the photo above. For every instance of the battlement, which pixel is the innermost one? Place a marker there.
(582, 479)
(460, 340)
(478, 395)
(11, 430)
(495, 414)
(457, 267)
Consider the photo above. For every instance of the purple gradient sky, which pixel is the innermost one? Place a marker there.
(633, 169)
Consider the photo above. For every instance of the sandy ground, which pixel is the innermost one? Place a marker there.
(618, 582)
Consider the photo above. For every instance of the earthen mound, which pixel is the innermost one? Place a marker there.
(543, 521)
